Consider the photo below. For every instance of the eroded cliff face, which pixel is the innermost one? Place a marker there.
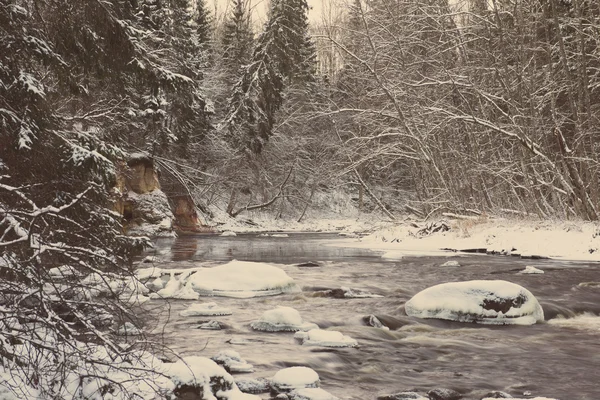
(145, 207)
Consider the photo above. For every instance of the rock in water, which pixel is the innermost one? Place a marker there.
(531, 270)
(403, 396)
(211, 326)
(232, 361)
(294, 378)
(487, 302)
(444, 394)
(451, 263)
(497, 395)
(311, 394)
(254, 386)
(282, 319)
(319, 337)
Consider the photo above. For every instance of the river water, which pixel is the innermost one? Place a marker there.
(550, 359)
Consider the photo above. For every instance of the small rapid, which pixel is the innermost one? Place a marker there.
(557, 358)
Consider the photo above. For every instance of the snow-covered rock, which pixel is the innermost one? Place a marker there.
(260, 385)
(211, 326)
(320, 337)
(311, 394)
(444, 394)
(241, 279)
(294, 378)
(372, 320)
(531, 270)
(403, 396)
(205, 310)
(451, 263)
(282, 319)
(232, 362)
(496, 394)
(280, 235)
(488, 302)
(228, 234)
(200, 377)
(528, 398)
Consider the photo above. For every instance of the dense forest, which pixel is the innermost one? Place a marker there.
(426, 106)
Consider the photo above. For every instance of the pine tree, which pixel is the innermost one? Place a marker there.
(204, 26)
(284, 56)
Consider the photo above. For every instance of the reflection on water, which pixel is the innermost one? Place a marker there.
(551, 359)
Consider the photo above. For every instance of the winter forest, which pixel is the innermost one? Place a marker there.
(405, 111)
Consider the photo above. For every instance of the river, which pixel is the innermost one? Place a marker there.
(548, 359)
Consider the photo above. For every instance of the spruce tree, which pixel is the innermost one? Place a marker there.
(238, 39)
(284, 56)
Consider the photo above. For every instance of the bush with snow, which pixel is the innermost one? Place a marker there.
(282, 319)
(489, 302)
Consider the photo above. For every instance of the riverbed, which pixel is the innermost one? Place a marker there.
(559, 358)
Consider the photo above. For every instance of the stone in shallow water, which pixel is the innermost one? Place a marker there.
(451, 263)
(211, 326)
(496, 394)
(254, 386)
(403, 396)
(444, 394)
(488, 302)
(311, 394)
(232, 361)
(372, 320)
(320, 337)
(294, 378)
(282, 319)
(531, 270)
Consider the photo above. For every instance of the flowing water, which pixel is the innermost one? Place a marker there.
(560, 358)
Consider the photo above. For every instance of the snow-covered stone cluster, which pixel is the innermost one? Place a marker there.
(240, 279)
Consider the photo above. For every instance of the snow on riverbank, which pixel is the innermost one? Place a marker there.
(578, 241)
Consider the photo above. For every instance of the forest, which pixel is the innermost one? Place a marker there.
(425, 107)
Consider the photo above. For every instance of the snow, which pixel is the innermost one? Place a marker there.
(260, 385)
(176, 288)
(205, 310)
(228, 234)
(280, 235)
(282, 319)
(63, 271)
(351, 293)
(519, 398)
(319, 337)
(531, 270)
(295, 378)
(464, 301)
(563, 240)
(311, 394)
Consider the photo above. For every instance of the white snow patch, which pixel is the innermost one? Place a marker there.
(205, 310)
(228, 234)
(351, 293)
(464, 301)
(531, 270)
(280, 235)
(282, 319)
(320, 337)
(295, 378)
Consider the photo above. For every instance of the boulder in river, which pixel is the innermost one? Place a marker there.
(294, 378)
(282, 319)
(311, 394)
(488, 302)
(403, 396)
(323, 338)
(496, 394)
(232, 362)
(451, 263)
(254, 386)
(444, 394)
